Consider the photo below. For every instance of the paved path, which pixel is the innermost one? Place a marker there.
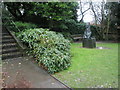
(22, 70)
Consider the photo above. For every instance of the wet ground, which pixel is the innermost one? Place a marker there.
(23, 73)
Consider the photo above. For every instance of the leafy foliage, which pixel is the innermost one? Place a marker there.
(22, 26)
(74, 27)
(43, 11)
(50, 49)
(67, 35)
(54, 10)
(114, 11)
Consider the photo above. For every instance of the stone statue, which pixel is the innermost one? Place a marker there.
(87, 33)
(88, 41)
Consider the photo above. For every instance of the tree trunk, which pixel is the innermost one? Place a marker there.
(108, 24)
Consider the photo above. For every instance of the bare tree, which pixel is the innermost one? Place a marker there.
(98, 10)
(82, 9)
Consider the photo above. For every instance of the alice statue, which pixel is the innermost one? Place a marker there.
(87, 33)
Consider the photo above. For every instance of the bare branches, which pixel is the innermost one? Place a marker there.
(82, 9)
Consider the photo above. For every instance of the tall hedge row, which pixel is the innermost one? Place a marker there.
(72, 27)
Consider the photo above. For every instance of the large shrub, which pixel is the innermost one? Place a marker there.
(50, 49)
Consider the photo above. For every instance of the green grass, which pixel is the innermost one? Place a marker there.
(0, 61)
(92, 67)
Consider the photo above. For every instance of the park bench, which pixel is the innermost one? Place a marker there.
(77, 37)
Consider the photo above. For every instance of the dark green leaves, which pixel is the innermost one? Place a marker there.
(50, 49)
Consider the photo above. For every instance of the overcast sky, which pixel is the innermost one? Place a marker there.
(88, 16)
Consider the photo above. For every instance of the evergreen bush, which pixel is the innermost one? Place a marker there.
(52, 50)
(24, 25)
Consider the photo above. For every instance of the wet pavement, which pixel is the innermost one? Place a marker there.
(22, 72)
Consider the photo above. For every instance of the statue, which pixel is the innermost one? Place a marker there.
(88, 41)
(87, 33)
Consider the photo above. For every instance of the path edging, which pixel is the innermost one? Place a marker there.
(60, 81)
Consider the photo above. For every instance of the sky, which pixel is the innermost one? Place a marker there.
(88, 17)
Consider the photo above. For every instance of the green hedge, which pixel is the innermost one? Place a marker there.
(79, 28)
(52, 50)
(67, 35)
(74, 27)
(23, 25)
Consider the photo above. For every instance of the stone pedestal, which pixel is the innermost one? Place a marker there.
(89, 43)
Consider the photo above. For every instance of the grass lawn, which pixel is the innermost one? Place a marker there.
(92, 68)
(0, 61)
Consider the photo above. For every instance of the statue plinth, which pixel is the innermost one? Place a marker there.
(89, 42)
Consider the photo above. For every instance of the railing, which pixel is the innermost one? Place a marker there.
(10, 25)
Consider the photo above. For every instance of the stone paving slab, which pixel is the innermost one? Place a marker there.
(22, 70)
